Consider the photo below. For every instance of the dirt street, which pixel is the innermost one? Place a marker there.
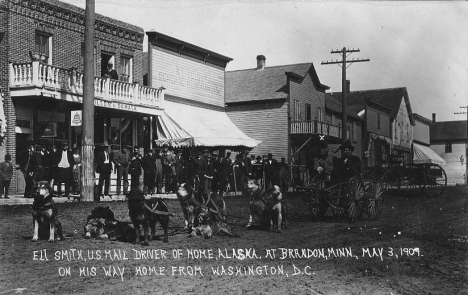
(418, 246)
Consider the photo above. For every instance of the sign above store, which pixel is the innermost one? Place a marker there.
(76, 118)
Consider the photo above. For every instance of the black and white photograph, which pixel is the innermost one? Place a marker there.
(233, 147)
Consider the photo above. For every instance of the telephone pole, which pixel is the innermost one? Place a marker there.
(466, 144)
(87, 191)
(343, 63)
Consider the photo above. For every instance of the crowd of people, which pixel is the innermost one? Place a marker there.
(163, 169)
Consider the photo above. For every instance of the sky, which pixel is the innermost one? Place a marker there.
(420, 45)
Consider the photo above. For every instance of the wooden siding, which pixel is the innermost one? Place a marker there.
(453, 167)
(402, 131)
(186, 78)
(372, 119)
(421, 132)
(267, 122)
(306, 93)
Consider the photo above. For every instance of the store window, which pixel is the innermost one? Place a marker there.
(52, 126)
(121, 132)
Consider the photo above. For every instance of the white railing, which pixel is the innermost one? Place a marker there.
(71, 81)
(311, 127)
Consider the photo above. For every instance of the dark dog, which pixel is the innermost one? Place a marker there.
(44, 212)
(192, 202)
(269, 206)
(145, 213)
(102, 224)
(206, 225)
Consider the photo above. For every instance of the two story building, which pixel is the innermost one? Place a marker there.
(449, 140)
(389, 118)
(42, 56)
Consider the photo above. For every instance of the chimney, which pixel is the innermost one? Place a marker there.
(433, 117)
(348, 87)
(260, 62)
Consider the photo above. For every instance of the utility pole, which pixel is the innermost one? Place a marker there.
(344, 53)
(466, 144)
(87, 191)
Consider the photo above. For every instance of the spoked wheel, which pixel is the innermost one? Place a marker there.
(334, 197)
(314, 201)
(391, 180)
(412, 180)
(354, 198)
(436, 180)
(375, 199)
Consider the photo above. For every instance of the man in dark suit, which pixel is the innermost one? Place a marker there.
(104, 168)
(64, 162)
(271, 168)
(28, 164)
(348, 165)
(6, 171)
(148, 164)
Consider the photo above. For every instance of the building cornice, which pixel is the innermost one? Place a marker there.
(70, 17)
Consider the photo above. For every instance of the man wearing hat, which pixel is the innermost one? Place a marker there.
(169, 168)
(65, 162)
(271, 168)
(6, 171)
(122, 162)
(348, 165)
(148, 164)
(207, 170)
(28, 164)
(104, 168)
(224, 172)
(323, 163)
(181, 167)
(111, 73)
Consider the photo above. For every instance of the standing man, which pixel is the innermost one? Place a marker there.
(271, 171)
(283, 175)
(224, 173)
(181, 167)
(6, 171)
(158, 176)
(111, 73)
(239, 173)
(149, 171)
(348, 165)
(122, 162)
(65, 163)
(169, 167)
(28, 164)
(104, 168)
(207, 169)
(135, 168)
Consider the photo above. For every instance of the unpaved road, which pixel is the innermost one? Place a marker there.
(418, 246)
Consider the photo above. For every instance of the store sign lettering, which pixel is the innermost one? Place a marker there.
(115, 105)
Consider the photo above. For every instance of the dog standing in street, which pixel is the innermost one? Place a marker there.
(145, 213)
(45, 212)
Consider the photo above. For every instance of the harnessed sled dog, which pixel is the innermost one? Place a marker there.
(44, 212)
(145, 213)
(203, 211)
(268, 207)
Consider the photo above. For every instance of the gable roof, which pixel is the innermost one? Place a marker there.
(449, 130)
(267, 84)
(333, 103)
(389, 97)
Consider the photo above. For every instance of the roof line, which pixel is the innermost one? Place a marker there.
(277, 66)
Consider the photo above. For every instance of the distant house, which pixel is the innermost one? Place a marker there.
(448, 140)
(283, 106)
(397, 133)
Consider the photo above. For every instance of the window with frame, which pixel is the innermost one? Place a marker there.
(448, 147)
(125, 69)
(378, 121)
(320, 114)
(297, 110)
(43, 46)
(308, 112)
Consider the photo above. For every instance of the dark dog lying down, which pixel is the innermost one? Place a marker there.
(145, 213)
(204, 225)
(103, 225)
(192, 201)
(45, 213)
(268, 207)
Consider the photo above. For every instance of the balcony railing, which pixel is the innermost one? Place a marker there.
(315, 127)
(54, 78)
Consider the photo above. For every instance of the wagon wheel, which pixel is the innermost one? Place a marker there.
(313, 199)
(354, 199)
(374, 195)
(334, 196)
(436, 180)
(412, 179)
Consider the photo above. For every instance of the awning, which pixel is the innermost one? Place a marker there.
(424, 154)
(184, 125)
